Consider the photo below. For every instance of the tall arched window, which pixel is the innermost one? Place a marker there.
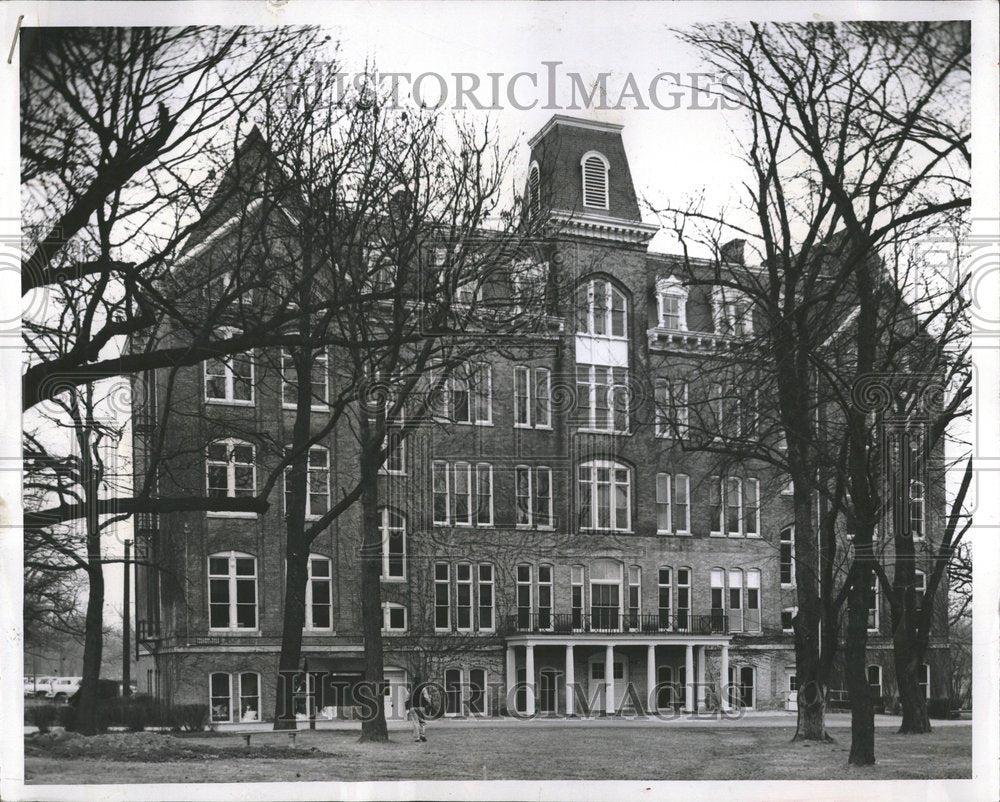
(917, 509)
(595, 180)
(605, 500)
(602, 309)
(534, 186)
(393, 528)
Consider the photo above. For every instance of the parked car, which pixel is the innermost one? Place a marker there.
(37, 686)
(63, 688)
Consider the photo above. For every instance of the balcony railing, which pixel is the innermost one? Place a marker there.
(611, 621)
(147, 630)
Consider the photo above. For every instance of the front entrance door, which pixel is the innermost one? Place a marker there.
(395, 692)
(596, 689)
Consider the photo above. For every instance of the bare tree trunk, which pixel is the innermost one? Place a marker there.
(93, 645)
(862, 714)
(293, 620)
(812, 686)
(912, 701)
(373, 728)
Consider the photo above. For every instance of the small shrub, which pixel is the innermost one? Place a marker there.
(939, 707)
(189, 718)
(42, 716)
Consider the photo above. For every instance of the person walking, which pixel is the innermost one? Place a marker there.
(416, 708)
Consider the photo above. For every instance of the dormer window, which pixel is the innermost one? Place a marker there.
(534, 186)
(595, 180)
(732, 312)
(671, 304)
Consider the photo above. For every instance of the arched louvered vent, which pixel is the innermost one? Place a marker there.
(595, 181)
(534, 201)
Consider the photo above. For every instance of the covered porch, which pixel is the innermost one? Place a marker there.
(585, 674)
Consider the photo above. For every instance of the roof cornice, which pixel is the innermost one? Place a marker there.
(603, 228)
(574, 122)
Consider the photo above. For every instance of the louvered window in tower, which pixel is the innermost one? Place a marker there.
(534, 201)
(595, 181)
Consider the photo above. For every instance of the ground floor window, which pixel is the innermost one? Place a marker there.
(742, 689)
(477, 691)
(249, 696)
(875, 682)
(220, 697)
(924, 679)
(453, 691)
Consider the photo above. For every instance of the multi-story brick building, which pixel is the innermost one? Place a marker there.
(555, 533)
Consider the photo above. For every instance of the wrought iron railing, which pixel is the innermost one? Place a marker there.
(612, 621)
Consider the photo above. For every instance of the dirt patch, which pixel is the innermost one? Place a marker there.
(150, 747)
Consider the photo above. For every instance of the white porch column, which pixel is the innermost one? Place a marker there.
(570, 681)
(699, 690)
(689, 678)
(650, 677)
(724, 678)
(609, 679)
(529, 676)
(511, 677)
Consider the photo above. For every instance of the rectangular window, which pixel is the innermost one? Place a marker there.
(576, 591)
(753, 600)
(393, 617)
(318, 483)
(319, 595)
(482, 387)
(232, 592)
(671, 402)
(522, 488)
(718, 581)
(543, 498)
(440, 490)
(463, 598)
(230, 378)
(736, 600)
(442, 596)
(751, 508)
(682, 504)
(602, 398)
(786, 551)
(634, 596)
(230, 469)
(665, 597)
(524, 597)
(734, 498)
(788, 619)
(318, 379)
(486, 597)
(532, 397)
(683, 599)
(395, 453)
(461, 508)
(664, 516)
(220, 697)
(715, 504)
(484, 494)
(545, 597)
(873, 617)
(249, 696)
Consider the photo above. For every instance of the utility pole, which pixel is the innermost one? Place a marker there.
(126, 625)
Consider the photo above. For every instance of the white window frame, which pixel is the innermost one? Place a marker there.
(664, 503)
(319, 357)
(441, 468)
(228, 375)
(593, 466)
(668, 587)
(794, 611)
(212, 697)
(608, 426)
(549, 585)
(726, 301)
(323, 470)
(524, 583)
(490, 583)
(671, 287)
(387, 608)
(483, 470)
(875, 606)
(232, 578)
(731, 575)
(446, 584)
(467, 583)
(533, 417)
(241, 695)
(668, 413)
(610, 290)
(878, 668)
(791, 555)
(310, 583)
(752, 581)
(918, 534)
(385, 530)
(927, 676)
(605, 171)
(231, 465)
(751, 483)
(682, 480)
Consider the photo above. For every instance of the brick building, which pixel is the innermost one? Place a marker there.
(556, 532)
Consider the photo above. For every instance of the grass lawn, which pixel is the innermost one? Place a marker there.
(566, 750)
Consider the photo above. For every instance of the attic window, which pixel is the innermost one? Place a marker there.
(595, 180)
(534, 201)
